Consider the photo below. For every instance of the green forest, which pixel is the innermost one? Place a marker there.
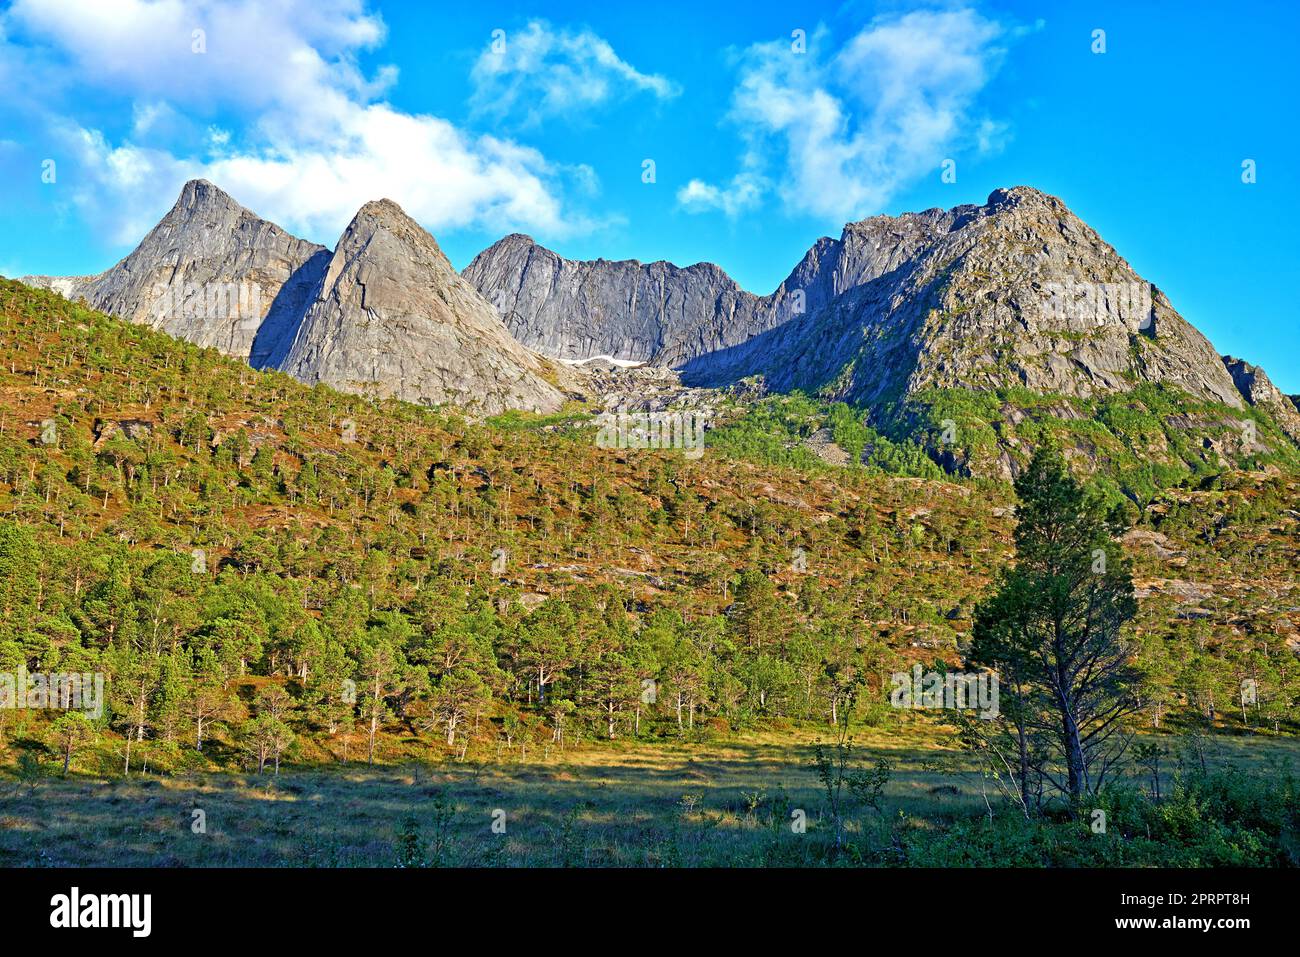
(276, 579)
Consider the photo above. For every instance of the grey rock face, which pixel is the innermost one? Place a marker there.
(1016, 292)
(210, 272)
(65, 286)
(1259, 391)
(668, 315)
(625, 310)
(393, 317)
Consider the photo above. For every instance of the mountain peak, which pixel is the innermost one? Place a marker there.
(960, 298)
(210, 272)
(393, 317)
(1004, 193)
(1010, 197)
(383, 209)
(383, 217)
(200, 194)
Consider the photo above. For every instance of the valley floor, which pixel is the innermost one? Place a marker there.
(731, 803)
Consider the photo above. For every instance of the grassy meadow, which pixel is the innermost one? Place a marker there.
(725, 803)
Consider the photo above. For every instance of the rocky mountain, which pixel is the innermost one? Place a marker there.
(392, 316)
(385, 313)
(1018, 292)
(210, 272)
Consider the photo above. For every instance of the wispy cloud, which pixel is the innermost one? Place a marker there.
(294, 128)
(743, 193)
(543, 71)
(844, 130)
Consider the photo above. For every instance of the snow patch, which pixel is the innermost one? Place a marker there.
(621, 363)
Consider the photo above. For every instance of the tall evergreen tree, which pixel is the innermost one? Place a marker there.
(1054, 625)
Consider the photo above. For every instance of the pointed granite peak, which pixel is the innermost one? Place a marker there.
(210, 272)
(199, 194)
(513, 245)
(385, 217)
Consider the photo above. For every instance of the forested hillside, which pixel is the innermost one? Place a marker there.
(270, 573)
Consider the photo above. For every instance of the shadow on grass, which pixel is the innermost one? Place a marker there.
(726, 804)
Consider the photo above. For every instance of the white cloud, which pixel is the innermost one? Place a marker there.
(312, 143)
(991, 136)
(543, 71)
(442, 176)
(256, 55)
(845, 130)
(147, 116)
(118, 186)
(743, 193)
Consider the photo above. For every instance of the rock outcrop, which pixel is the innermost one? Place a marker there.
(393, 318)
(666, 315)
(1257, 389)
(1016, 293)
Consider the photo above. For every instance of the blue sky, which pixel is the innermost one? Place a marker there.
(493, 117)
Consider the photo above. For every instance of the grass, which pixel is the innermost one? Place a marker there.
(639, 805)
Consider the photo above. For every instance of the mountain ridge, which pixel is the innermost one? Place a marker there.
(782, 337)
(1015, 293)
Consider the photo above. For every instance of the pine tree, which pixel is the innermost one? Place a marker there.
(1053, 626)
